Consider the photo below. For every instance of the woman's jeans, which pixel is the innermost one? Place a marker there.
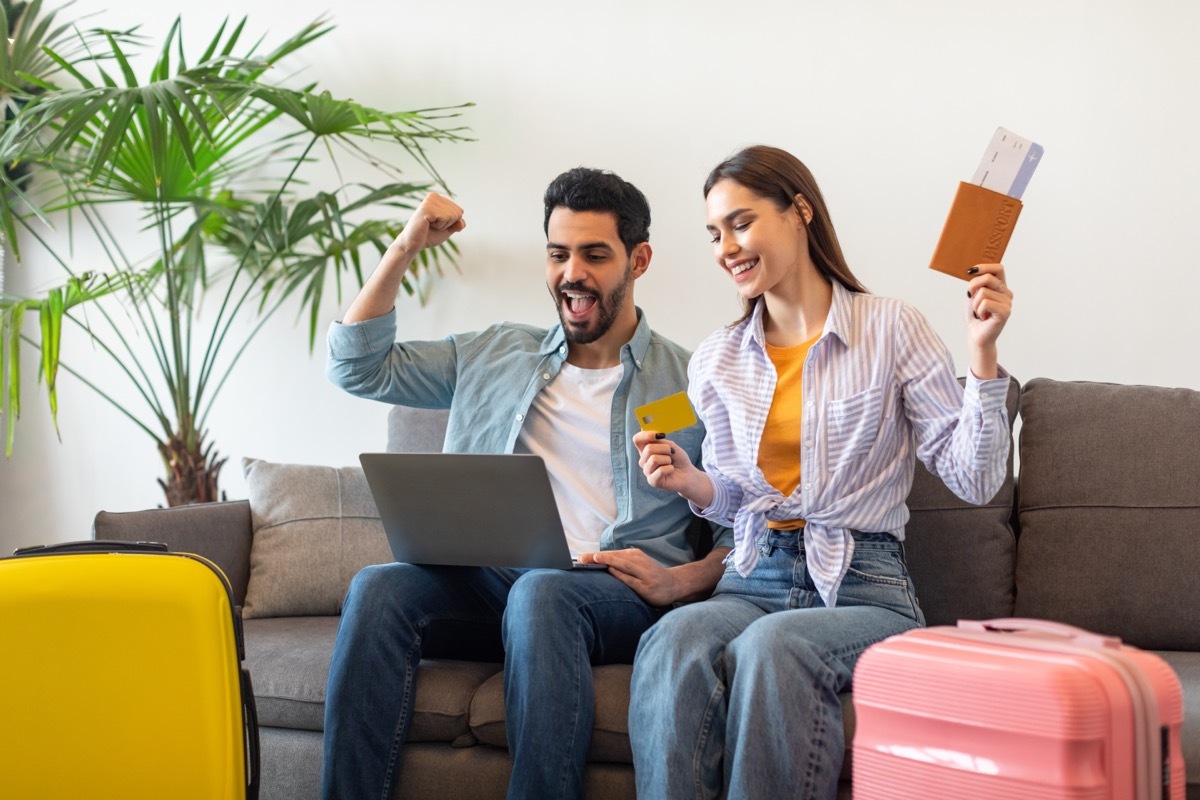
(737, 696)
(549, 627)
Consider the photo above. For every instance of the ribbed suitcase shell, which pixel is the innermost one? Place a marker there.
(121, 678)
(1015, 710)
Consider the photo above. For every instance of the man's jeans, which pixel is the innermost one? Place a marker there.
(737, 696)
(549, 626)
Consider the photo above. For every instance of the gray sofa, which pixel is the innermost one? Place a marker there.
(1102, 534)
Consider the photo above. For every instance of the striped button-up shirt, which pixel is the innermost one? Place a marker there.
(876, 386)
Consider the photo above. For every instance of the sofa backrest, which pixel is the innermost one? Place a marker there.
(1109, 510)
(416, 430)
(961, 556)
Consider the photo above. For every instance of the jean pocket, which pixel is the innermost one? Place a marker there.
(879, 566)
(878, 577)
(853, 425)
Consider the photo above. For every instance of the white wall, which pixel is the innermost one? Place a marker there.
(889, 103)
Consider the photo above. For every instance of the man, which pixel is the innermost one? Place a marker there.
(567, 394)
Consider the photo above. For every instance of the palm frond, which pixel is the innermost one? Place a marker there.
(10, 371)
(50, 310)
(25, 67)
(213, 160)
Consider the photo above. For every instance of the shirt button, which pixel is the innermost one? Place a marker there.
(520, 417)
(545, 376)
(808, 442)
(807, 487)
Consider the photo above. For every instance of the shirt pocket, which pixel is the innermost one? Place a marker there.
(853, 426)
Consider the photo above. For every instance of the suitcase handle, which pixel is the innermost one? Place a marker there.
(91, 546)
(1020, 624)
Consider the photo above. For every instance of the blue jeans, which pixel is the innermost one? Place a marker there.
(737, 696)
(549, 627)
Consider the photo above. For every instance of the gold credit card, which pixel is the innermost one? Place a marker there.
(666, 415)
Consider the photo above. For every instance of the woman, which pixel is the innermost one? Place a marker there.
(813, 402)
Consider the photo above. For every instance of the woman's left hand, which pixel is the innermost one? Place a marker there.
(989, 306)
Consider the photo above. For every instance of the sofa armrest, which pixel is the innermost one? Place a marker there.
(221, 532)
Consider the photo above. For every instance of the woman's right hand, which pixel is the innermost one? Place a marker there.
(668, 467)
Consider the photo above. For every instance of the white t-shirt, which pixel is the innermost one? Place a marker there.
(569, 425)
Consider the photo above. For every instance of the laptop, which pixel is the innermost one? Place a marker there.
(469, 510)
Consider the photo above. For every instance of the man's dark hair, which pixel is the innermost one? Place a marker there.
(586, 189)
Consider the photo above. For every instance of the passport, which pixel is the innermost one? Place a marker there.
(982, 216)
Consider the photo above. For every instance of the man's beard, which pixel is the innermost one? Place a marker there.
(608, 307)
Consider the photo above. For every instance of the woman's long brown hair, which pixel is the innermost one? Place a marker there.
(779, 176)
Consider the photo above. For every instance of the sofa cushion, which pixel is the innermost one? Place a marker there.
(960, 555)
(445, 690)
(288, 659)
(1108, 510)
(610, 729)
(314, 528)
(416, 430)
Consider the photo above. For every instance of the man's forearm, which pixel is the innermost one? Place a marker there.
(435, 220)
(378, 294)
(695, 581)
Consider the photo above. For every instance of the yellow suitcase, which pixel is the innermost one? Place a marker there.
(121, 677)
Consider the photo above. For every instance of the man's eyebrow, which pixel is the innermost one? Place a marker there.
(585, 246)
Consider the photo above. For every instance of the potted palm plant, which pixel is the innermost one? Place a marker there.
(218, 164)
(20, 64)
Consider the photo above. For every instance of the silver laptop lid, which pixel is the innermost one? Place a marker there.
(467, 509)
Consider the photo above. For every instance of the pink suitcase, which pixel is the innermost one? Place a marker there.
(1015, 709)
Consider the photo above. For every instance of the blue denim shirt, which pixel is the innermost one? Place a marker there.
(488, 379)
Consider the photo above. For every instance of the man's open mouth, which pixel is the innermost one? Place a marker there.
(579, 304)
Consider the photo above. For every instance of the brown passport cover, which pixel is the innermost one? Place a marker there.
(977, 230)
